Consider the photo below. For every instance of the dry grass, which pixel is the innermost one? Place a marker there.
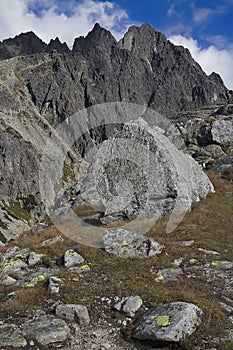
(209, 224)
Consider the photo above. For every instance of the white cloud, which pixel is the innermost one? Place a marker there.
(202, 14)
(16, 16)
(211, 59)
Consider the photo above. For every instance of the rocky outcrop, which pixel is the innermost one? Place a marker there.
(208, 137)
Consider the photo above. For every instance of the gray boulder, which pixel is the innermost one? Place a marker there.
(130, 245)
(169, 322)
(74, 312)
(222, 131)
(46, 330)
(72, 258)
(10, 336)
(141, 174)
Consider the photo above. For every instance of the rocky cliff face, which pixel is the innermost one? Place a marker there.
(41, 85)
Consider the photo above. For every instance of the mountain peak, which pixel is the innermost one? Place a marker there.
(26, 43)
(142, 40)
(97, 37)
(55, 44)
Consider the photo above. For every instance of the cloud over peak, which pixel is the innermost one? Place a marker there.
(65, 19)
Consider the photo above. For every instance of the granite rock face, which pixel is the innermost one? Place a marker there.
(141, 174)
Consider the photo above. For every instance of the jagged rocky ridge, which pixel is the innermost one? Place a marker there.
(42, 85)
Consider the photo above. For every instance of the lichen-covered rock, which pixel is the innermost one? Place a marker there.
(73, 312)
(72, 258)
(11, 336)
(222, 265)
(46, 330)
(129, 305)
(54, 284)
(169, 322)
(34, 258)
(15, 259)
(168, 274)
(129, 244)
(8, 280)
(80, 269)
(34, 279)
(51, 241)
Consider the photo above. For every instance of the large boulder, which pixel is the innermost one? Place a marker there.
(169, 322)
(140, 173)
(222, 131)
(46, 330)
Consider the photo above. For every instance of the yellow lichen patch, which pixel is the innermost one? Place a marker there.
(192, 261)
(124, 242)
(163, 321)
(8, 280)
(85, 267)
(34, 281)
(160, 276)
(13, 264)
(221, 264)
(56, 279)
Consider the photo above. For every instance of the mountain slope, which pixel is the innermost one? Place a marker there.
(41, 85)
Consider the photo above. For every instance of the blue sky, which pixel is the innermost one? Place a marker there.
(203, 26)
(207, 21)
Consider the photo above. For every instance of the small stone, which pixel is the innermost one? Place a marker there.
(74, 312)
(129, 305)
(193, 261)
(185, 243)
(80, 269)
(34, 258)
(169, 274)
(54, 284)
(177, 262)
(207, 251)
(72, 258)
(51, 241)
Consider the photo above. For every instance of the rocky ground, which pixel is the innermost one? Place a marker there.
(43, 273)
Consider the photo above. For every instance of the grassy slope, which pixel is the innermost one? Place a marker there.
(209, 224)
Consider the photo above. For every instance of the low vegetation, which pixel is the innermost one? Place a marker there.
(209, 224)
